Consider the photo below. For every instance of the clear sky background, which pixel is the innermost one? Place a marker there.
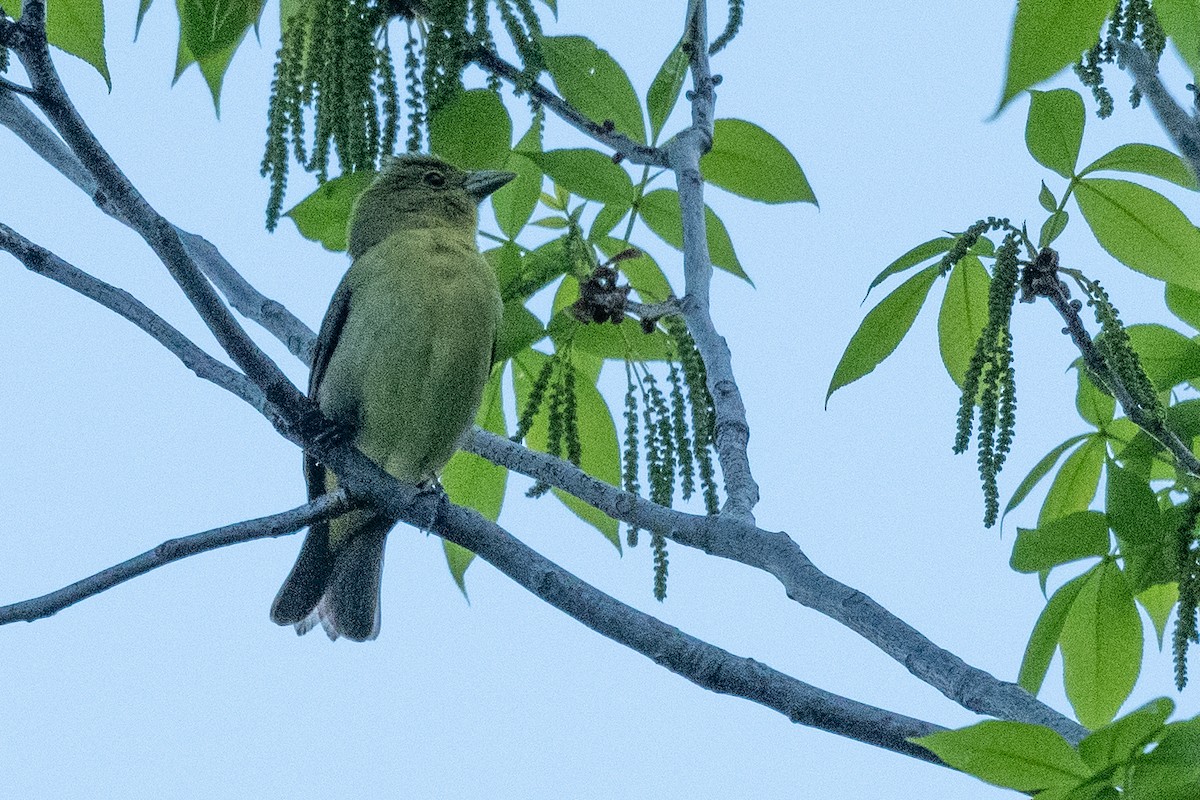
(177, 684)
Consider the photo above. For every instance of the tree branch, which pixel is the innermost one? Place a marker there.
(778, 555)
(324, 507)
(31, 48)
(1182, 127)
(630, 150)
(44, 262)
(684, 151)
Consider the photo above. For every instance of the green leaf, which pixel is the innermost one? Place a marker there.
(476, 482)
(1043, 641)
(514, 202)
(587, 173)
(882, 329)
(600, 454)
(1184, 303)
(1142, 229)
(1146, 159)
(538, 268)
(1168, 357)
(664, 89)
(1039, 471)
(143, 7)
(660, 211)
(1171, 771)
(963, 315)
(1101, 644)
(1046, 198)
(1094, 405)
(1076, 482)
(75, 27)
(606, 220)
(472, 131)
(1054, 130)
(1120, 742)
(1047, 36)
(1159, 600)
(1131, 507)
(588, 78)
(1083, 534)
(918, 255)
(1053, 227)
(1178, 20)
(324, 215)
(623, 341)
(750, 162)
(211, 27)
(518, 330)
(1012, 754)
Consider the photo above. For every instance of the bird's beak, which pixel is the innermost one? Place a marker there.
(485, 181)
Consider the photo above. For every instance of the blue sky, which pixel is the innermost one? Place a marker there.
(177, 684)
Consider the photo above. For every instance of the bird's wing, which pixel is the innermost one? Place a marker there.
(327, 339)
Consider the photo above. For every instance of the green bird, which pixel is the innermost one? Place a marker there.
(401, 361)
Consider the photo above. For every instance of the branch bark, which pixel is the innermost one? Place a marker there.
(1182, 127)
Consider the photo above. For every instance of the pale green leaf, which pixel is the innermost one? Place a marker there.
(1075, 485)
(1017, 755)
(1040, 471)
(1123, 740)
(750, 162)
(514, 202)
(324, 215)
(1043, 641)
(1159, 600)
(882, 329)
(472, 131)
(1179, 21)
(664, 89)
(588, 78)
(586, 173)
(1093, 405)
(1146, 159)
(1047, 36)
(963, 315)
(914, 257)
(660, 211)
(1054, 131)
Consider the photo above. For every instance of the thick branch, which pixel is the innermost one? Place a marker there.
(248, 301)
(326, 507)
(684, 151)
(1182, 127)
(43, 262)
(630, 150)
(162, 237)
(778, 555)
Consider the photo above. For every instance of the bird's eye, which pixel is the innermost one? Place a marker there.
(434, 179)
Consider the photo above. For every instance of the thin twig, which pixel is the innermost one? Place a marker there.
(324, 507)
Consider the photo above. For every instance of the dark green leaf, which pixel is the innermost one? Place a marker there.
(1012, 754)
(750, 162)
(513, 203)
(1094, 405)
(1101, 645)
(1047, 36)
(1046, 198)
(1052, 228)
(75, 27)
(1131, 507)
(660, 211)
(518, 329)
(1168, 357)
(588, 78)
(552, 223)
(143, 7)
(1142, 229)
(324, 215)
(1039, 471)
(644, 274)
(1076, 482)
(475, 482)
(1171, 771)
(606, 219)
(587, 173)
(1054, 130)
(538, 268)
(1146, 159)
(1044, 639)
(963, 315)
(882, 329)
(664, 90)
(1184, 303)
(1178, 19)
(918, 255)
(211, 27)
(1119, 742)
(472, 131)
(1083, 534)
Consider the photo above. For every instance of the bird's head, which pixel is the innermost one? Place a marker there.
(419, 191)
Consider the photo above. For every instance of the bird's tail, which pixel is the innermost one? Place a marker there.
(339, 586)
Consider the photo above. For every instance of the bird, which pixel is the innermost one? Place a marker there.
(400, 365)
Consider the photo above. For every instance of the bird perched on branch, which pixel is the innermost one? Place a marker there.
(400, 363)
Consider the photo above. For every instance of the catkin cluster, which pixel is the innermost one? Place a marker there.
(1131, 22)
